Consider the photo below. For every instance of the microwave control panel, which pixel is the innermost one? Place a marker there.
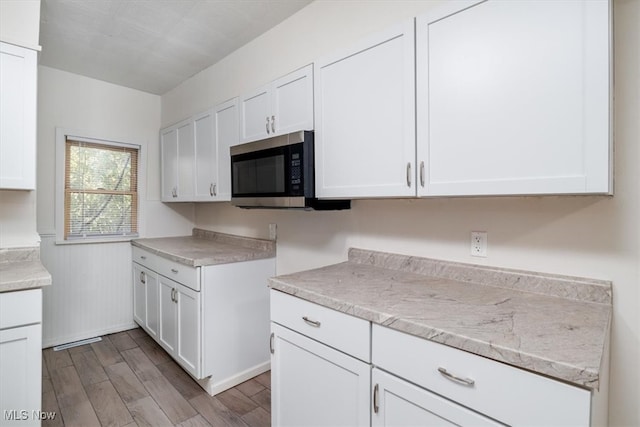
(296, 172)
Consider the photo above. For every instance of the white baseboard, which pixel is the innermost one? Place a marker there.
(214, 387)
(89, 334)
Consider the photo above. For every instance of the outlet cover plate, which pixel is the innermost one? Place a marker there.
(479, 243)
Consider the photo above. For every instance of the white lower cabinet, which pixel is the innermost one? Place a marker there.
(213, 320)
(20, 357)
(145, 297)
(316, 385)
(399, 403)
(333, 369)
(510, 395)
(180, 324)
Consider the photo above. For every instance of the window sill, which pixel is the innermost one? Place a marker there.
(96, 240)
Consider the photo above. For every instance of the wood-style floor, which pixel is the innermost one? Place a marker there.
(127, 379)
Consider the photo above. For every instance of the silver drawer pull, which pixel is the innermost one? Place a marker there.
(376, 404)
(271, 349)
(174, 271)
(143, 257)
(464, 381)
(313, 323)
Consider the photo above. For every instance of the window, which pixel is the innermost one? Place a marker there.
(100, 189)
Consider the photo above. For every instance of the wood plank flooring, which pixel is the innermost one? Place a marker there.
(127, 379)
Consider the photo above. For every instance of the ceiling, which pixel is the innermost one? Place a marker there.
(151, 45)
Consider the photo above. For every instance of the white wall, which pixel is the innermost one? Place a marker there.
(595, 237)
(18, 219)
(20, 22)
(92, 283)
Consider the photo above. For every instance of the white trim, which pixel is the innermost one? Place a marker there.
(91, 137)
(213, 387)
(101, 141)
(89, 334)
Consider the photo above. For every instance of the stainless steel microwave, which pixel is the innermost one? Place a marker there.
(277, 172)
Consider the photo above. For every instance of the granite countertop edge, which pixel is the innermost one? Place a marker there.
(209, 244)
(21, 269)
(573, 373)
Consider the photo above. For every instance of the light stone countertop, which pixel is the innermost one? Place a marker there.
(553, 325)
(205, 247)
(21, 269)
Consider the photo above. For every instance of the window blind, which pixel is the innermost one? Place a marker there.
(101, 190)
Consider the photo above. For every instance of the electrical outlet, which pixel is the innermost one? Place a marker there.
(479, 243)
(273, 231)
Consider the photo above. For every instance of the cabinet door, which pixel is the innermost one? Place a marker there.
(255, 112)
(188, 316)
(365, 118)
(20, 375)
(152, 303)
(206, 156)
(168, 314)
(186, 162)
(292, 102)
(513, 98)
(315, 385)
(169, 152)
(18, 86)
(139, 294)
(226, 135)
(399, 403)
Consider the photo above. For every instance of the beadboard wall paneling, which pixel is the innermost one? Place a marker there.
(87, 299)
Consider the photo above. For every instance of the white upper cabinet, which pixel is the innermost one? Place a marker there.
(282, 106)
(18, 89)
(226, 135)
(365, 118)
(206, 156)
(514, 98)
(195, 155)
(178, 162)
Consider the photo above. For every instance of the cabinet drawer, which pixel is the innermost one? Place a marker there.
(341, 331)
(508, 394)
(20, 308)
(144, 258)
(188, 276)
(184, 274)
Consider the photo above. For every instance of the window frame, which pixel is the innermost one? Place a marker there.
(60, 191)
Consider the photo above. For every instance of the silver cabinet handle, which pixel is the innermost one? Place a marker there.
(409, 174)
(463, 381)
(174, 271)
(313, 323)
(211, 189)
(142, 279)
(172, 300)
(422, 174)
(174, 193)
(174, 295)
(273, 124)
(143, 257)
(268, 124)
(271, 349)
(215, 189)
(376, 405)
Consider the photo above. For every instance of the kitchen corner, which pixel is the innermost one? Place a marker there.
(22, 278)
(204, 299)
(546, 331)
